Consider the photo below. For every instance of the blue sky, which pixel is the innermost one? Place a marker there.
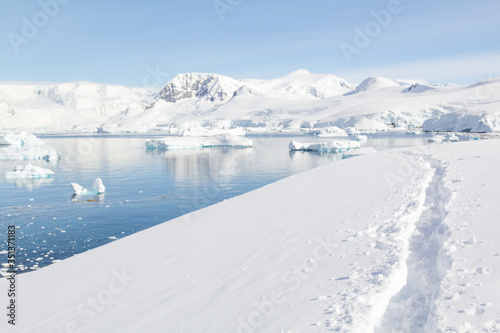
(123, 42)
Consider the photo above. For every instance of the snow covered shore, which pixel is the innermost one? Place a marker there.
(397, 240)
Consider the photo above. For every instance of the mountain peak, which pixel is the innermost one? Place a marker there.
(205, 86)
(375, 82)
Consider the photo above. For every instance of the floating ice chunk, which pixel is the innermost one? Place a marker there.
(219, 141)
(26, 146)
(77, 188)
(452, 138)
(359, 137)
(29, 172)
(360, 151)
(22, 138)
(97, 188)
(333, 146)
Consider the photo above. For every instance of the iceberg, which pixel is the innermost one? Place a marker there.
(330, 146)
(359, 137)
(190, 142)
(29, 172)
(26, 146)
(97, 188)
(436, 138)
(23, 138)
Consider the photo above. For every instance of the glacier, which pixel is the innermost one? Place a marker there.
(298, 101)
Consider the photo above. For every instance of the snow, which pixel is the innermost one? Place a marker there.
(330, 132)
(26, 146)
(29, 172)
(299, 100)
(191, 142)
(375, 83)
(22, 138)
(358, 152)
(328, 146)
(401, 240)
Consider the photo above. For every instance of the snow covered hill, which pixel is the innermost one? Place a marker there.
(298, 100)
(410, 246)
(73, 106)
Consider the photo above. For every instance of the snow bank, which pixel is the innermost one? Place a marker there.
(342, 264)
(26, 146)
(189, 142)
(330, 146)
(358, 152)
(29, 172)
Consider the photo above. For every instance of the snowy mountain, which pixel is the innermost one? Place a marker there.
(298, 100)
(374, 83)
(80, 106)
(208, 87)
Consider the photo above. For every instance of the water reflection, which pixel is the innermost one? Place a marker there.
(30, 184)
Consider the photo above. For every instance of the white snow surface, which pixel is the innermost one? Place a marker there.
(190, 142)
(358, 152)
(212, 101)
(333, 146)
(403, 240)
(29, 172)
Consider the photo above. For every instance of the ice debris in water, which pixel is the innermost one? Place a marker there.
(330, 146)
(97, 188)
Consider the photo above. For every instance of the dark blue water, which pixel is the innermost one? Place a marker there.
(143, 188)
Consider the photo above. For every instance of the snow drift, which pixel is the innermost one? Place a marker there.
(411, 245)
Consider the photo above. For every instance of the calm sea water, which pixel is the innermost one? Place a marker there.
(143, 188)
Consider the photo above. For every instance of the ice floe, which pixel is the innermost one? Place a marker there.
(29, 172)
(189, 142)
(329, 146)
(97, 188)
(26, 146)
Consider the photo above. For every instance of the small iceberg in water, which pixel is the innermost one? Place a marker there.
(330, 146)
(26, 146)
(97, 188)
(190, 142)
(29, 172)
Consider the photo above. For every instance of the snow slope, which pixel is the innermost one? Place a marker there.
(409, 242)
(81, 106)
